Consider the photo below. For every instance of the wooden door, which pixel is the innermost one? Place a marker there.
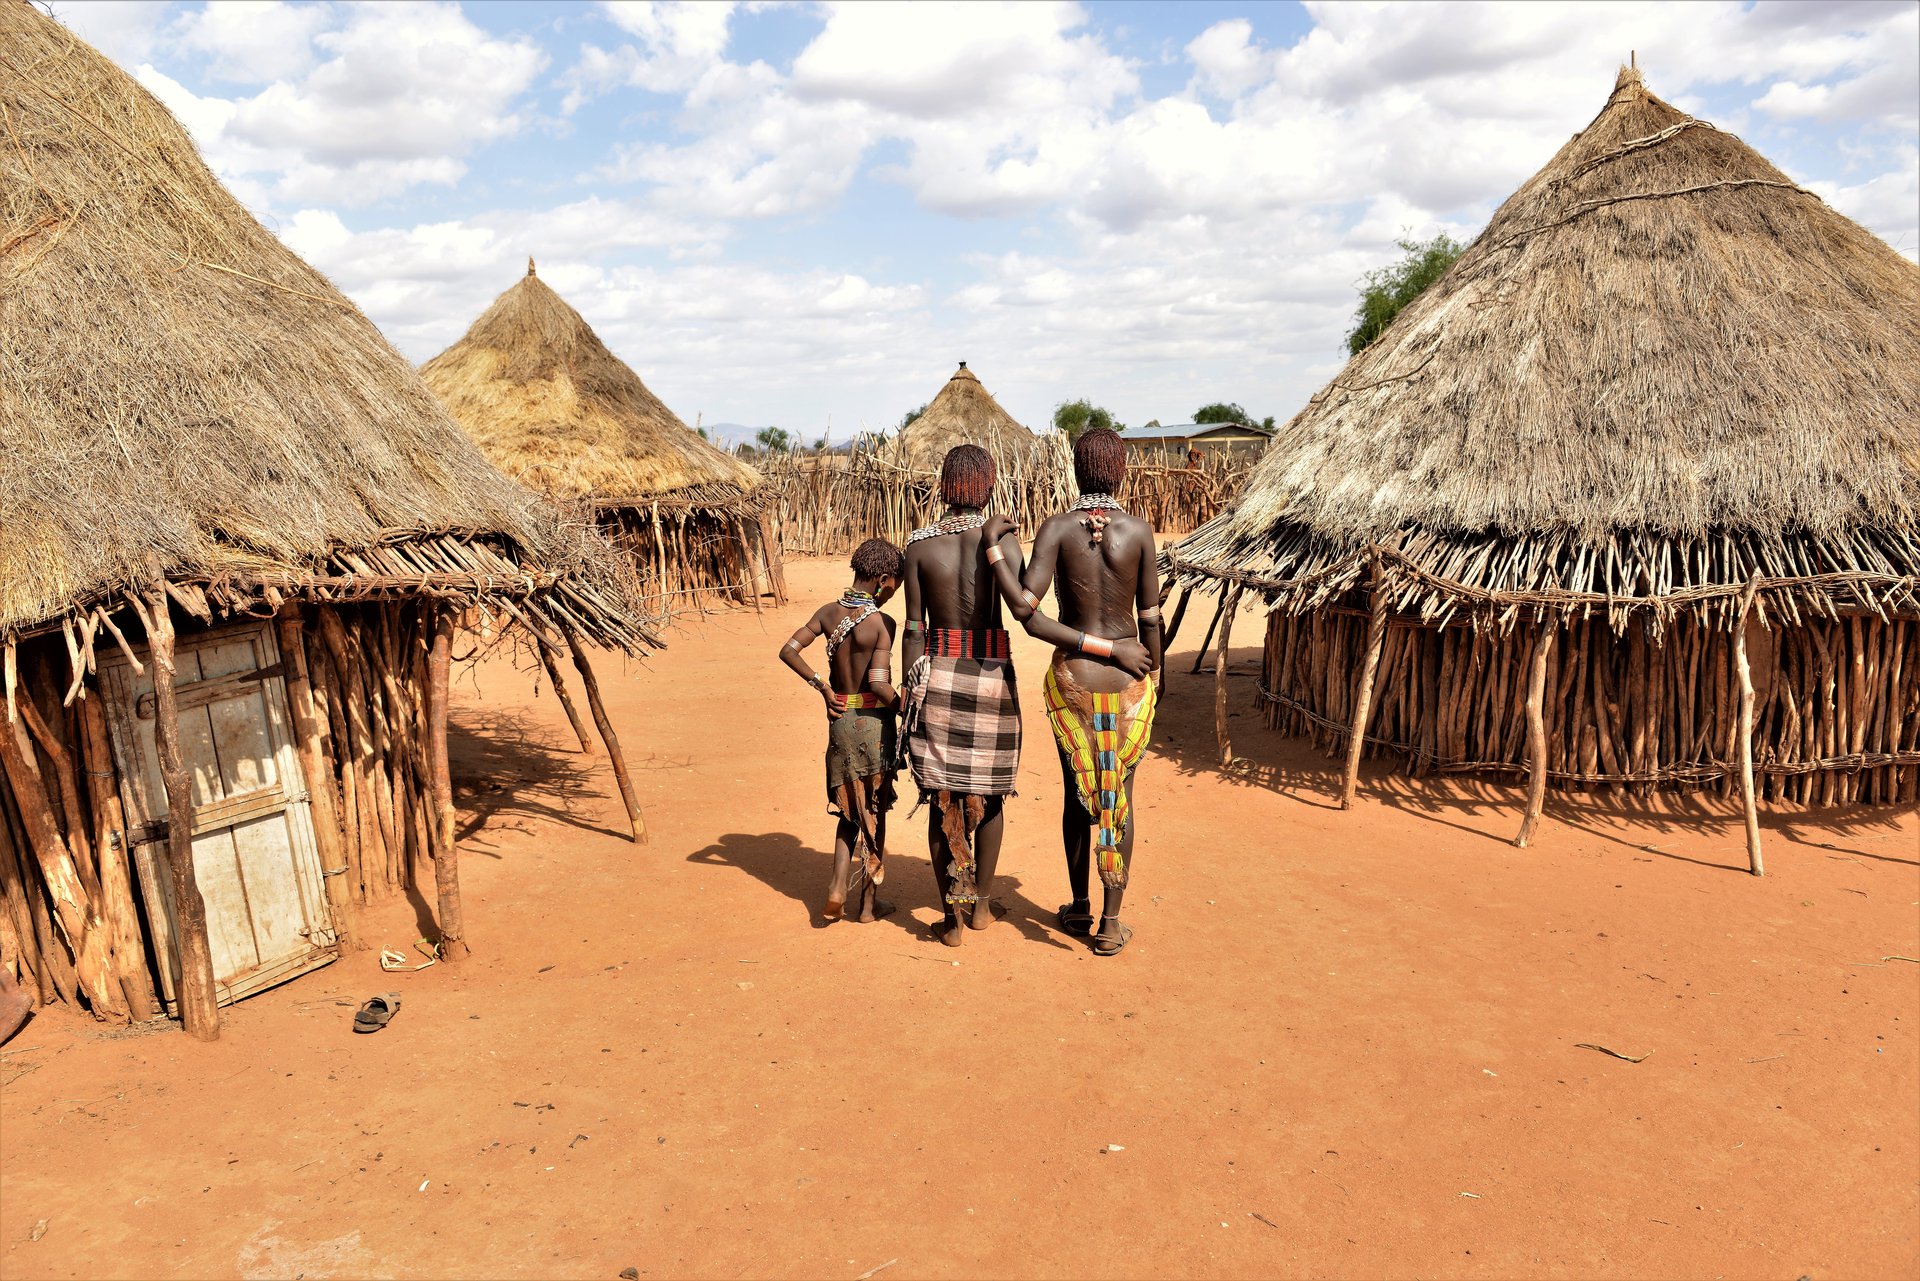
(253, 847)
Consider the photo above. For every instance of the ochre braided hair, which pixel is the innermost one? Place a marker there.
(967, 476)
(876, 559)
(1099, 461)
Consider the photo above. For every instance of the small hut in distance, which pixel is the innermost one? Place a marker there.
(964, 413)
(547, 401)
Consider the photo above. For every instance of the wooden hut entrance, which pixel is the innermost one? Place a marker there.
(253, 846)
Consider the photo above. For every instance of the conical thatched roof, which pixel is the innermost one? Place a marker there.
(1662, 368)
(180, 392)
(544, 398)
(964, 413)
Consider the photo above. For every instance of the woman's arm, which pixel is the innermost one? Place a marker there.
(790, 655)
(880, 666)
(1147, 603)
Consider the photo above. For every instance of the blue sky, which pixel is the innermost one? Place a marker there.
(806, 213)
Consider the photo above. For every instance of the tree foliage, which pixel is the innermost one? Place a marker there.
(774, 440)
(906, 419)
(1221, 412)
(1075, 416)
(1385, 292)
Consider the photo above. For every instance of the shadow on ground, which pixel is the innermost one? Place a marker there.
(783, 862)
(508, 770)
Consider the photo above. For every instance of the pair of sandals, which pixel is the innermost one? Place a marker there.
(1080, 925)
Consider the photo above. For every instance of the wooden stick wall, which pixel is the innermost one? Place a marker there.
(827, 506)
(1836, 715)
(694, 557)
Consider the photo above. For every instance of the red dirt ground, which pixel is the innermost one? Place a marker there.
(1340, 1044)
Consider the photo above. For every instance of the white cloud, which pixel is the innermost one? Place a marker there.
(359, 102)
(677, 41)
(124, 30)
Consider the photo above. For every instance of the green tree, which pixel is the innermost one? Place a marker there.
(906, 419)
(774, 440)
(1075, 416)
(1220, 412)
(1385, 292)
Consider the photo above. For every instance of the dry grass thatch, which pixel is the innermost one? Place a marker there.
(180, 393)
(964, 413)
(1662, 370)
(547, 401)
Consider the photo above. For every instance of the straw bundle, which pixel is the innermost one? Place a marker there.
(1666, 390)
(548, 402)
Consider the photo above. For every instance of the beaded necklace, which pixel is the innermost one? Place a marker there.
(959, 523)
(1099, 509)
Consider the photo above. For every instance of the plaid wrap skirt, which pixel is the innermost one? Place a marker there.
(963, 726)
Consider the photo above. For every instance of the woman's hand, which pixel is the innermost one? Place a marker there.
(836, 703)
(997, 528)
(1132, 657)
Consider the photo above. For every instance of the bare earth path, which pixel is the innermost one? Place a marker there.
(1340, 1044)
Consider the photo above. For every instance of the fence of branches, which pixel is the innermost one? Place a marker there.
(826, 505)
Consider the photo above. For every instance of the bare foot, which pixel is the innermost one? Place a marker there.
(835, 909)
(873, 910)
(949, 932)
(985, 913)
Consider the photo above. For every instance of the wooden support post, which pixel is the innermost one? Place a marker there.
(199, 1006)
(566, 700)
(1747, 799)
(607, 736)
(313, 743)
(1228, 605)
(116, 878)
(1219, 611)
(1369, 667)
(446, 859)
(1173, 626)
(1537, 730)
(75, 908)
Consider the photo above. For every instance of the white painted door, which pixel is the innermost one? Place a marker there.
(253, 848)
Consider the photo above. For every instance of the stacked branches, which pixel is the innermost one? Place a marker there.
(1666, 406)
(547, 401)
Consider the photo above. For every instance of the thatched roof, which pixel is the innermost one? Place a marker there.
(1661, 369)
(549, 403)
(964, 413)
(180, 393)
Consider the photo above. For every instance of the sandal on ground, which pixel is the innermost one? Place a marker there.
(1104, 946)
(1078, 924)
(376, 1013)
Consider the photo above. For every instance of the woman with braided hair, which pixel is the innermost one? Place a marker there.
(860, 701)
(1100, 697)
(961, 722)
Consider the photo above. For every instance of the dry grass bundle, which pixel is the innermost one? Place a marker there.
(180, 393)
(546, 400)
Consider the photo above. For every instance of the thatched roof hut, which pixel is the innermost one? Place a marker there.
(1665, 386)
(964, 413)
(197, 433)
(547, 401)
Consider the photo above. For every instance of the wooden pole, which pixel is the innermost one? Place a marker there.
(548, 658)
(1537, 731)
(1173, 627)
(1363, 701)
(1747, 799)
(199, 1006)
(312, 741)
(1219, 611)
(116, 878)
(1228, 605)
(446, 860)
(607, 736)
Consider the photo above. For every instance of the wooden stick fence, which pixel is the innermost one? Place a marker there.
(827, 505)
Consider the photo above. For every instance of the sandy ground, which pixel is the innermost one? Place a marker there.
(1340, 1044)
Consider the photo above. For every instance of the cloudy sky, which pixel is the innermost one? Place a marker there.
(803, 213)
